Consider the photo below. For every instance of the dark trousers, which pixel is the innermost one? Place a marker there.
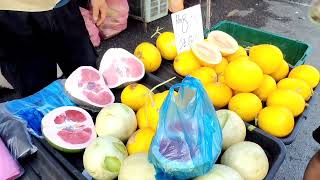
(32, 43)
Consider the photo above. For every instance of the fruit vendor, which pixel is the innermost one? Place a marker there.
(37, 34)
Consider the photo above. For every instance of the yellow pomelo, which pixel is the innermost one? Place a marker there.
(185, 63)
(166, 43)
(276, 120)
(205, 75)
(141, 118)
(219, 93)
(149, 55)
(298, 85)
(267, 56)
(134, 95)
(206, 53)
(140, 141)
(227, 44)
(243, 75)
(219, 68)
(266, 87)
(287, 98)
(246, 105)
(240, 52)
(221, 78)
(307, 73)
(282, 72)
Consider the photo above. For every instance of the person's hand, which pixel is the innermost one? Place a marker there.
(99, 8)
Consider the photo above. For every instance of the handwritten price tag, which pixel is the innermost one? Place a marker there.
(187, 27)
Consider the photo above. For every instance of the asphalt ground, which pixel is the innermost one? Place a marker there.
(284, 17)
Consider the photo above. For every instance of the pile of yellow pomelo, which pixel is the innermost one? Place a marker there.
(255, 82)
(147, 106)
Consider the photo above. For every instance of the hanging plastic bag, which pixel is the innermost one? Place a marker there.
(92, 29)
(116, 20)
(188, 140)
(31, 109)
(9, 168)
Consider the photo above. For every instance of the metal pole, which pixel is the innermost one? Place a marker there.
(208, 18)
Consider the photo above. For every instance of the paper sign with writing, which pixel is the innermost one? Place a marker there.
(187, 27)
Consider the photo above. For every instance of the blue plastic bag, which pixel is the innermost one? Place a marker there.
(188, 140)
(31, 109)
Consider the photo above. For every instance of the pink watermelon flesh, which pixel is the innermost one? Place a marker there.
(100, 98)
(87, 84)
(69, 128)
(75, 136)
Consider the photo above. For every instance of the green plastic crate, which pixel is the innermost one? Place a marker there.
(295, 51)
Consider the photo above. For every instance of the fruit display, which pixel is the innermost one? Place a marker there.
(86, 87)
(68, 129)
(137, 167)
(149, 56)
(119, 68)
(116, 120)
(103, 158)
(252, 85)
(135, 95)
(221, 172)
(233, 127)
(248, 159)
(166, 43)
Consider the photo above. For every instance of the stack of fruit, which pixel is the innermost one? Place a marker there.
(245, 82)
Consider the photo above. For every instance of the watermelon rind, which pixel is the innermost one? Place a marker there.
(55, 113)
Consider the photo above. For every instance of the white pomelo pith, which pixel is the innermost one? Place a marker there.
(87, 88)
(226, 43)
(68, 128)
(119, 68)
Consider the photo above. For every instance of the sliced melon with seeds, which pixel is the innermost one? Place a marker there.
(206, 53)
(226, 43)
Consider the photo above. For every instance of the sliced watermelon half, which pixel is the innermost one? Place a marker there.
(68, 128)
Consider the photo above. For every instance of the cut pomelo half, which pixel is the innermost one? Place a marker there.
(120, 68)
(68, 128)
(207, 53)
(226, 43)
(87, 88)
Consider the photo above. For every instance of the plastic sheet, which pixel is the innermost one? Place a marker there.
(9, 168)
(15, 135)
(189, 138)
(31, 109)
